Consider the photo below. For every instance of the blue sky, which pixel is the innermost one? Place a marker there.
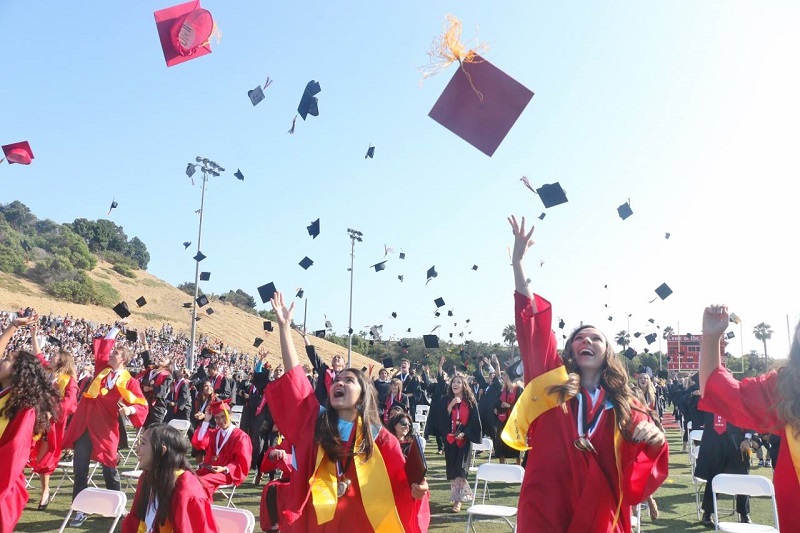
(689, 109)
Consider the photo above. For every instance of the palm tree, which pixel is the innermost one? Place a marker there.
(623, 338)
(762, 332)
(667, 332)
(510, 336)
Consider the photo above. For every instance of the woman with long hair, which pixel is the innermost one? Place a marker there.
(169, 497)
(395, 398)
(28, 401)
(597, 452)
(337, 449)
(509, 395)
(204, 399)
(402, 427)
(460, 424)
(769, 403)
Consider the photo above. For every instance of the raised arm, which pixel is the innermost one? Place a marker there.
(13, 326)
(715, 322)
(37, 349)
(284, 318)
(522, 241)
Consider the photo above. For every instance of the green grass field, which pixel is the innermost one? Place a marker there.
(675, 500)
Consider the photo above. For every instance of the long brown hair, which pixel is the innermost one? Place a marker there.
(788, 405)
(327, 430)
(466, 391)
(66, 364)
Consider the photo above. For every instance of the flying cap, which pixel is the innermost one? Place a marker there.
(202, 300)
(379, 266)
(187, 305)
(239, 175)
(131, 335)
(733, 317)
(299, 293)
(19, 153)
(651, 338)
(663, 291)
(313, 229)
(256, 95)
(480, 104)
(267, 292)
(474, 267)
(630, 353)
(431, 341)
(376, 331)
(541, 217)
(186, 244)
(552, 194)
(394, 314)
(122, 310)
(320, 333)
(267, 325)
(185, 31)
(666, 235)
(257, 342)
(199, 257)
(205, 276)
(25, 245)
(400, 277)
(209, 311)
(306, 263)
(561, 323)
(53, 340)
(625, 210)
(387, 362)
(190, 170)
(431, 273)
(637, 334)
(140, 301)
(370, 152)
(730, 335)
(439, 302)
(308, 103)
(402, 255)
(328, 324)
(450, 313)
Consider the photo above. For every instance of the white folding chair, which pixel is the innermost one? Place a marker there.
(66, 467)
(697, 482)
(132, 446)
(422, 410)
(108, 503)
(742, 484)
(222, 488)
(236, 417)
(237, 409)
(495, 473)
(181, 425)
(636, 518)
(416, 427)
(233, 520)
(486, 445)
(695, 437)
(130, 475)
(421, 421)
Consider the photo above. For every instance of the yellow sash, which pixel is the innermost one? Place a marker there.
(96, 388)
(794, 449)
(167, 527)
(373, 480)
(533, 402)
(61, 383)
(4, 420)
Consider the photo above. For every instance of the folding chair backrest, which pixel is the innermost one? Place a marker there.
(110, 503)
(181, 425)
(689, 425)
(422, 410)
(502, 473)
(696, 435)
(237, 409)
(742, 484)
(233, 520)
(486, 445)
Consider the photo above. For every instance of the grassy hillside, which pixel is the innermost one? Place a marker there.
(230, 324)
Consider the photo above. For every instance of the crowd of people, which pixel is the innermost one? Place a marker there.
(335, 443)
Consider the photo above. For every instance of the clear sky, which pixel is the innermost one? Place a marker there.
(689, 109)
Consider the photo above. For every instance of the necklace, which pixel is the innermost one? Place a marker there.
(588, 419)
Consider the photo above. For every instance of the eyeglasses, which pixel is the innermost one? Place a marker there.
(404, 424)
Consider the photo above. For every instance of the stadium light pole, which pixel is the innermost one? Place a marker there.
(209, 168)
(355, 235)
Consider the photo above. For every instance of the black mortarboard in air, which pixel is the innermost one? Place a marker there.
(320, 333)
(387, 362)
(666, 235)
(306, 262)
(400, 277)
(431, 273)
(439, 302)
(267, 325)
(625, 210)
(451, 335)
(437, 314)
(205, 276)
(190, 170)
(140, 301)
(239, 175)
(53, 340)
(202, 300)
(474, 267)
(209, 311)
(450, 312)
(186, 244)
(651, 338)
(257, 342)
(131, 335)
(552, 194)
(610, 318)
(328, 324)
(637, 334)
(561, 323)
(114, 205)
(370, 152)
(313, 229)
(223, 298)
(651, 320)
(541, 217)
(300, 293)
(187, 305)
(256, 95)
(394, 314)
(514, 369)
(122, 310)
(308, 103)
(199, 257)
(379, 266)
(402, 255)
(267, 292)
(630, 353)
(431, 341)
(730, 335)
(662, 291)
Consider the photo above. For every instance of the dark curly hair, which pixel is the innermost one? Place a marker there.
(31, 389)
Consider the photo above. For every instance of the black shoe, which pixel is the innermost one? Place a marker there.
(744, 518)
(258, 478)
(706, 521)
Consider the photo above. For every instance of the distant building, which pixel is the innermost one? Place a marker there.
(683, 352)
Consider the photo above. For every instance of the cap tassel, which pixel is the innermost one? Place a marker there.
(1, 160)
(294, 122)
(268, 82)
(524, 179)
(215, 32)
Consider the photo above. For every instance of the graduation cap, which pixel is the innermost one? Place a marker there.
(637, 334)
(122, 310)
(400, 277)
(26, 246)
(666, 235)
(474, 267)
(256, 95)
(394, 314)
(561, 323)
(257, 342)
(630, 353)
(131, 335)
(267, 325)
(733, 317)
(209, 311)
(379, 266)
(437, 314)
(730, 335)
(187, 305)
(299, 293)
(387, 362)
(514, 370)
(267, 292)
(185, 31)
(223, 298)
(202, 300)
(610, 318)
(140, 301)
(199, 257)
(625, 210)
(218, 407)
(239, 175)
(431, 273)
(186, 244)
(313, 229)
(450, 312)
(408, 330)
(439, 302)
(402, 255)
(431, 341)
(114, 205)
(651, 338)
(190, 170)
(651, 320)
(328, 324)
(370, 152)
(662, 291)
(541, 217)
(19, 153)
(53, 340)
(320, 333)
(308, 103)
(376, 331)
(306, 262)
(205, 276)
(552, 194)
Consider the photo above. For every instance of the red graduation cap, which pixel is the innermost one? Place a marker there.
(19, 153)
(185, 31)
(220, 406)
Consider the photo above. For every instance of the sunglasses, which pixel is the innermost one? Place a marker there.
(404, 423)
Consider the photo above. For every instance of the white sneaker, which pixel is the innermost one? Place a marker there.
(78, 519)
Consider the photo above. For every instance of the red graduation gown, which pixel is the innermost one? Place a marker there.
(15, 445)
(281, 485)
(566, 489)
(236, 454)
(47, 463)
(751, 403)
(296, 409)
(189, 512)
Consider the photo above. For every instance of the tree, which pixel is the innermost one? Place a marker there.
(137, 251)
(187, 287)
(18, 215)
(763, 332)
(510, 336)
(623, 338)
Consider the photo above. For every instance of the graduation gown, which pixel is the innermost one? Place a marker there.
(751, 403)
(189, 510)
(236, 454)
(46, 452)
(564, 488)
(296, 409)
(161, 383)
(277, 489)
(181, 395)
(15, 445)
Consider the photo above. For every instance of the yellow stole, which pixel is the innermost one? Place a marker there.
(3, 419)
(373, 480)
(794, 449)
(96, 388)
(61, 383)
(167, 527)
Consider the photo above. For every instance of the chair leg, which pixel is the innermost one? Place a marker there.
(114, 525)
(66, 520)
(469, 522)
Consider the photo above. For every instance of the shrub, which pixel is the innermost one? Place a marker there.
(124, 270)
(11, 259)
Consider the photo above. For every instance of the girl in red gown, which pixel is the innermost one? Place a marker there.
(339, 448)
(595, 452)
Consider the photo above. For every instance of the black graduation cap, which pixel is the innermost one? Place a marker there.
(306, 262)
(26, 246)
(239, 175)
(552, 194)
(328, 324)
(431, 273)
(610, 318)
(122, 310)
(468, 321)
(730, 335)
(451, 335)
(202, 300)
(625, 210)
(370, 152)
(662, 291)
(209, 311)
(114, 205)
(140, 301)
(187, 305)
(666, 235)
(402, 255)
(131, 335)
(223, 298)
(541, 217)
(514, 369)
(267, 292)
(400, 277)
(387, 362)
(300, 293)
(431, 341)
(267, 325)
(379, 266)
(320, 333)
(256, 95)
(257, 342)
(439, 302)
(205, 276)
(637, 334)
(630, 353)
(437, 314)
(561, 323)
(450, 312)
(190, 170)
(408, 330)
(53, 340)
(199, 257)
(651, 320)
(308, 103)
(651, 338)
(394, 314)
(186, 244)
(474, 267)
(313, 229)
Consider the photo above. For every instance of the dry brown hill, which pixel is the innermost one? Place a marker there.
(229, 324)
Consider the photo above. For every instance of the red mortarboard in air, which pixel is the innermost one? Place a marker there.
(185, 31)
(19, 153)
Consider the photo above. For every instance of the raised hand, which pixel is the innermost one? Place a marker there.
(715, 320)
(283, 314)
(522, 240)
